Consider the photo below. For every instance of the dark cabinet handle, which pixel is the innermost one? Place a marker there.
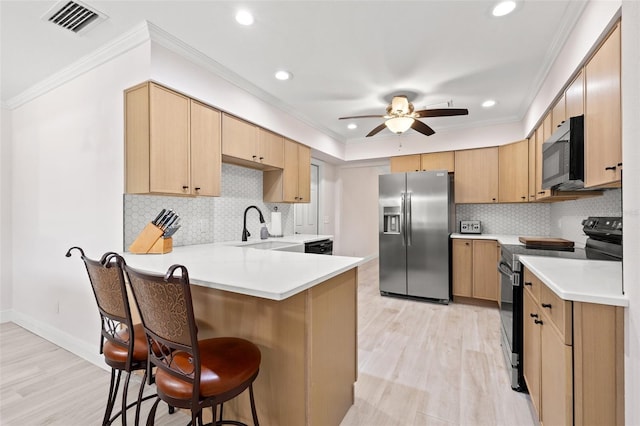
(261, 158)
(546, 305)
(527, 283)
(524, 198)
(619, 164)
(541, 192)
(538, 322)
(197, 188)
(610, 168)
(493, 199)
(533, 315)
(254, 156)
(185, 187)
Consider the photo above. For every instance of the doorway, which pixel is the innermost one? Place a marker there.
(306, 215)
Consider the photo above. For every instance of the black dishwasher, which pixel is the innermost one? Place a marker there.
(319, 247)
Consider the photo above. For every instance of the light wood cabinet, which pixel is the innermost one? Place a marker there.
(476, 175)
(532, 168)
(423, 162)
(462, 267)
(603, 115)
(540, 193)
(292, 184)
(573, 358)
(474, 269)
(574, 97)
(558, 113)
(513, 169)
(248, 145)
(164, 132)
(405, 163)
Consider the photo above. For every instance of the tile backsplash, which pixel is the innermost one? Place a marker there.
(510, 219)
(208, 219)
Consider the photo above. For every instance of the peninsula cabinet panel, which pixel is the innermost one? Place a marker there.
(438, 161)
(476, 175)
(206, 159)
(603, 122)
(405, 163)
(514, 172)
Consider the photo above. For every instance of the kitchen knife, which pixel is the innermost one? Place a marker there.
(169, 232)
(165, 219)
(157, 219)
(171, 221)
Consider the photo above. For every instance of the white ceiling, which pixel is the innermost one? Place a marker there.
(347, 57)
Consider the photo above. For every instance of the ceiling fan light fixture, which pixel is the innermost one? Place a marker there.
(399, 125)
(400, 105)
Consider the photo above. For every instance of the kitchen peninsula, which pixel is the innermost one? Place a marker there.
(300, 309)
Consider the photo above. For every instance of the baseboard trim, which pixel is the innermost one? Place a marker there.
(58, 337)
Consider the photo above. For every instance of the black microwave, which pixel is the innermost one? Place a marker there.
(563, 156)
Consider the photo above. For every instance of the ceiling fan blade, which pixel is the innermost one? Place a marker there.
(419, 126)
(442, 112)
(376, 130)
(361, 116)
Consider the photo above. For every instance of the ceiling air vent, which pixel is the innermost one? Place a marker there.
(73, 16)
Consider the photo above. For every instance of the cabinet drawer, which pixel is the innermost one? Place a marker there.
(558, 311)
(532, 284)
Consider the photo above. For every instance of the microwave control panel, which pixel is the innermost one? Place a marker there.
(470, 227)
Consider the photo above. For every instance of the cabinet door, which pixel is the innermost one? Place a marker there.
(290, 172)
(405, 163)
(271, 148)
(169, 142)
(485, 272)
(574, 97)
(532, 168)
(513, 169)
(304, 174)
(531, 349)
(462, 267)
(239, 138)
(438, 161)
(540, 193)
(206, 157)
(556, 381)
(603, 123)
(476, 176)
(558, 114)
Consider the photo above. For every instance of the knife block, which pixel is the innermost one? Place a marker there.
(150, 241)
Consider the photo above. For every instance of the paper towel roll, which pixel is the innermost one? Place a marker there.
(276, 224)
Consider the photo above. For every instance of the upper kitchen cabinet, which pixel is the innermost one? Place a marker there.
(540, 138)
(532, 168)
(423, 162)
(159, 145)
(558, 113)
(513, 167)
(292, 184)
(476, 175)
(248, 145)
(574, 97)
(603, 122)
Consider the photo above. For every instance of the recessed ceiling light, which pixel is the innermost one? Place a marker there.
(244, 17)
(352, 126)
(504, 8)
(284, 75)
(488, 103)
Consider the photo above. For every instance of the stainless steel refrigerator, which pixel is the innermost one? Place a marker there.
(416, 216)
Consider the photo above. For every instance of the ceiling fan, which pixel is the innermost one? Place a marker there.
(401, 116)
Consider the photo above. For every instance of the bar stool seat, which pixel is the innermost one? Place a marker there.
(116, 355)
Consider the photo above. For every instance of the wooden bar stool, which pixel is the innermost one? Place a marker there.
(122, 343)
(192, 374)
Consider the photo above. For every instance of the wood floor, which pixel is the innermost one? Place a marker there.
(419, 364)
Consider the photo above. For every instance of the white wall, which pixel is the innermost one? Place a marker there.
(357, 207)
(6, 290)
(631, 203)
(67, 185)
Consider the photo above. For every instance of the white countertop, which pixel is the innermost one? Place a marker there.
(593, 281)
(271, 274)
(501, 238)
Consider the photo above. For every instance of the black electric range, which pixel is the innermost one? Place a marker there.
(604, 243)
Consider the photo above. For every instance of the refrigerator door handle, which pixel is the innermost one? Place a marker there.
(408, 219)
(403, 202)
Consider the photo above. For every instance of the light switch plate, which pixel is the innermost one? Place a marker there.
(470, 227)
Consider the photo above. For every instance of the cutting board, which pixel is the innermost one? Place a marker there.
(546, 242)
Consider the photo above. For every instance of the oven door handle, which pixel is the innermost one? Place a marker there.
(504, 269)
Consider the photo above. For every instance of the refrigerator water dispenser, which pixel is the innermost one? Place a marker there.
(391, 220)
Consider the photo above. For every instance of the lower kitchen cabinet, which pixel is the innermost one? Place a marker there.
(572, 358)
(474, 269)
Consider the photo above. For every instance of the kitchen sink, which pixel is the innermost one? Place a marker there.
(274, 245)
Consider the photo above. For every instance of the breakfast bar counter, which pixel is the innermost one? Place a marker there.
(301, 311)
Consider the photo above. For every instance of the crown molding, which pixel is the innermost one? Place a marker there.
(127, 41)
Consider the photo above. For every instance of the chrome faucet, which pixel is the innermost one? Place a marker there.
(245, 232)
